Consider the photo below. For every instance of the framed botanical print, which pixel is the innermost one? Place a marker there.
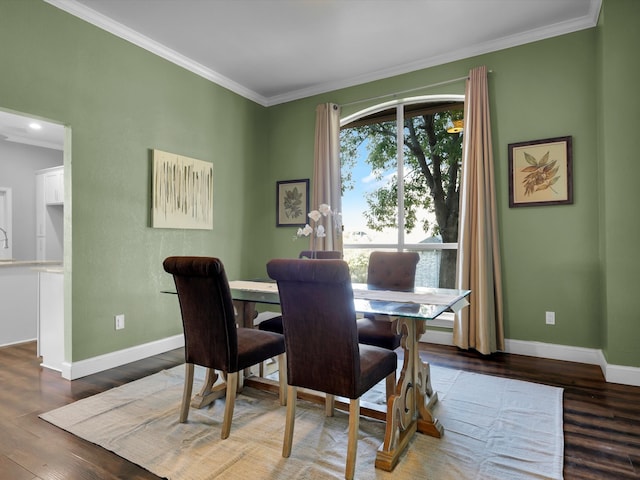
(540, 172)
(292, 202)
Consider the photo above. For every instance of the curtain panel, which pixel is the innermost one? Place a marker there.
(480, 326)
(326, 174)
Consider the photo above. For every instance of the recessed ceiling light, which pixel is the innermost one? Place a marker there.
(35, 126)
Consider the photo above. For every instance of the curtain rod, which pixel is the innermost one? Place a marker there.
(395, 94)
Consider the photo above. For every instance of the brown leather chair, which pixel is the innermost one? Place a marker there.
(321, 338)
(274, 324)
(212, 339)
(387, 271)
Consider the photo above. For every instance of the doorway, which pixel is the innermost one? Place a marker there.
(28, 144)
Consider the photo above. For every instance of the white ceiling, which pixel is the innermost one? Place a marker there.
(274, 51)
(17, 128)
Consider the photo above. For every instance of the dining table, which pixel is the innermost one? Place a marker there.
(410, 407)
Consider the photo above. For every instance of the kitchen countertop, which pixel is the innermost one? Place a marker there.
(40, 265)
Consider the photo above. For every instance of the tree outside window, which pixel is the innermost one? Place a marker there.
(426, 184)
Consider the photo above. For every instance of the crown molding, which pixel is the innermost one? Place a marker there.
(105, 23)
(561, 28)
(101, 21)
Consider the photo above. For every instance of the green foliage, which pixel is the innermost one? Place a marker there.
(358, 261)
(432, 166)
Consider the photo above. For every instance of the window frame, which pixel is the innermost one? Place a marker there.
(400, 105)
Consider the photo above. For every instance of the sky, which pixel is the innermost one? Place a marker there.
(354, 203)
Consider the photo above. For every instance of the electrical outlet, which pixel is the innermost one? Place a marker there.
(550, 318)
(119, 321)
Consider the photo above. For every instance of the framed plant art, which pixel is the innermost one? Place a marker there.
(540, 172)
(292, 202)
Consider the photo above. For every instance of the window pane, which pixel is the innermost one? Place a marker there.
(419, 218)
(426, 186)
(369, 183)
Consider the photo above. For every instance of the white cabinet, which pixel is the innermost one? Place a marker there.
(41, 249)
(54, 186)
(49, 213)
(51, 319)
(41, 207)
(18, 305)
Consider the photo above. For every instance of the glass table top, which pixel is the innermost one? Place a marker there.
(422, 303)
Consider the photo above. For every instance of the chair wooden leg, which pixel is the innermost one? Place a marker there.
(186, 393)
(290, 420)
(390, 385)
(230, 401)
(352, 445)
(282, 378)
(329, 404)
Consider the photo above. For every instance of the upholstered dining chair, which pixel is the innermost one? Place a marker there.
(321, 339)
(387, 271)
(212, 338)
(321, 254)
(274, 324)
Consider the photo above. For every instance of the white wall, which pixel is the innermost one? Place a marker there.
(18, 164)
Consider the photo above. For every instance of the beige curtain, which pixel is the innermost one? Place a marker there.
(480, 325)
(326, 173)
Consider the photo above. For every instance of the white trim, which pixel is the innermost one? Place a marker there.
(444, 320)
(379, 107)
(82, 368)
(105, 23)
(622, 374)
(101, 21)
(556, 352)
(439, 337)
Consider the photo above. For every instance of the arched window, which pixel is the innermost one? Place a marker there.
(422, 177)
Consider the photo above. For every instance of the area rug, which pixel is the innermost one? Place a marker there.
(495, 428)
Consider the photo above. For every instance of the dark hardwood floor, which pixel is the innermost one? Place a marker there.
(601, 420)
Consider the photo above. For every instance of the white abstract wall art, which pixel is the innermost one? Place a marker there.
(182, 192)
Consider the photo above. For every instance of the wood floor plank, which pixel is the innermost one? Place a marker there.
(601, 420)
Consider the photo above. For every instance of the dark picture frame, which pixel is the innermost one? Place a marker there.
(292, 202)
(541, 172)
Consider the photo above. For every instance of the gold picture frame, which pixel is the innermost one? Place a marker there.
(541, 172)
(292, 203)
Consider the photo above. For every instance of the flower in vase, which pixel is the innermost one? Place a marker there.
(318, 231)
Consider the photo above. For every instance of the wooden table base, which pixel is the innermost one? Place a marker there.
(409, 409)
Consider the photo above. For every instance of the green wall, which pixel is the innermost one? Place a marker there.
(121, 101)
(552, 257)
(620, 169)
(549, 254)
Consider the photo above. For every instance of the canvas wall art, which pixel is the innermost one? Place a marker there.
(182, 192)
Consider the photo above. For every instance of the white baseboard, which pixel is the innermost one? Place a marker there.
(439, 337)
(612, 373)
(623, 374)
(74, 370)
